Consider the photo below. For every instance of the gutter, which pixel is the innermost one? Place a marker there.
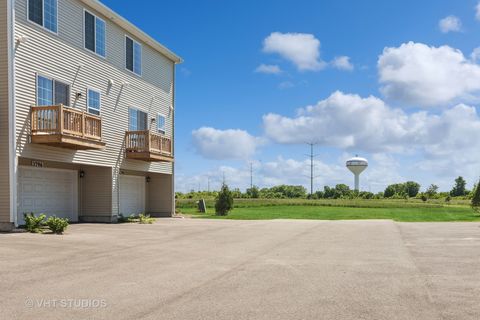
(12, 161)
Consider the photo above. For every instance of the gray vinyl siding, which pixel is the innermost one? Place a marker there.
(63, 57)
(4, 145)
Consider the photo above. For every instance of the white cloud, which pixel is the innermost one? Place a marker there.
(417, 74)
(477, 11)
(449, 24)
(268, 69)
(350, 122)
(475, 55)
(286, 85)
(224, 144)
(302, 49)
(342, 63)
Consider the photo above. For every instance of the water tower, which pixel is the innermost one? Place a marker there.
(357, 165)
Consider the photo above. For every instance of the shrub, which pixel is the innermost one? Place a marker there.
(224, 201)
(57, 225)
(33, 223)
(476, 199)
(145, 219)
(424, 197)
(448, 199)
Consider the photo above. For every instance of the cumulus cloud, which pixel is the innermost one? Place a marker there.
(350, 122)
(342, 63)
(217, 144)
(477, 11)
(268, 69)
(420, 75)
(450, 24)
(302, 49)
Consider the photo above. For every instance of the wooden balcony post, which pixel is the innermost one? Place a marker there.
(61, 119)
(83, 124)
(149, 141)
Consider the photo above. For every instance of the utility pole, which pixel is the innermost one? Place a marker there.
(251, 175)
(312, 156)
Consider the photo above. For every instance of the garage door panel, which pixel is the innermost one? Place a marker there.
(49, 191)
(132, 195)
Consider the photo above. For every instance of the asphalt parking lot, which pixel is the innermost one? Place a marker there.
(280, 269)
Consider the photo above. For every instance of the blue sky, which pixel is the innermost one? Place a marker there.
(397, 82)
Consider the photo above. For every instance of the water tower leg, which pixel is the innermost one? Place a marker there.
(357, 182)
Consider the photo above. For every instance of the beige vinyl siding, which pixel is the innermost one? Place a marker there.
(4, 127)
(96, 195)
(63, 56)
(160, 195)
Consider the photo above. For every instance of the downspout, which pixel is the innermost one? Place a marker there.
(13, 163)
(173, 138)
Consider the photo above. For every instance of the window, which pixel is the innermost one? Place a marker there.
(161, 123)
(94, 36)
(133, 56)
(93, 102)
(52, 92)
(44, 13)
(137, 120)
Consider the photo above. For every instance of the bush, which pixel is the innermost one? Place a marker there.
(33, 223)
(224, 201)
(145, 219)
(57, 225)
(476, 199)
(424, 197)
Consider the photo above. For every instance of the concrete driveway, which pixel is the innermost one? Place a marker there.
(282, 269)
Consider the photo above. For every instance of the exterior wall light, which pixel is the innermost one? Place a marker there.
(148, 179)
(82, 174)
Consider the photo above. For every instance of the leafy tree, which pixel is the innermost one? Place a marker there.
(224, 201)
(476, 199)
(412, 188)
(432, 191)
(253, 192)
(459, 188)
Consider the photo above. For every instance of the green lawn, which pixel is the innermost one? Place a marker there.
(406, 214)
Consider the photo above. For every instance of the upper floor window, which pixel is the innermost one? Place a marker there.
(133, 56)
(52, 92)
(44, 13)
(161, 121)
(94, 34)
(137, 120)
(93, 101)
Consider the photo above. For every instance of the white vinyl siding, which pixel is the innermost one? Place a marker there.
(44, 13)
(94, 101)
(82, 70)
(133, 56)
(94, 34)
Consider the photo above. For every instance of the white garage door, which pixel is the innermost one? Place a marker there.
(48, 191)
(132, 195)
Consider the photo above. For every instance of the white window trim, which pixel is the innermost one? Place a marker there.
(43, 16)
(133, 48)
(138, 109)
(53, 79)
(164, 132)
(95, 33)
(88, 107)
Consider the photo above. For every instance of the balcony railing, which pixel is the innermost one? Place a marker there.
(148, 146)
(66, 127)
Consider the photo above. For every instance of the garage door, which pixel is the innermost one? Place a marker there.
(132, 195)
(49, 191)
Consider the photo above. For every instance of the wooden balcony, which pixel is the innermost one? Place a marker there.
(65, 127)
(148, 146)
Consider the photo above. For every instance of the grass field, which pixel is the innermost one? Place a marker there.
(400, 210)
